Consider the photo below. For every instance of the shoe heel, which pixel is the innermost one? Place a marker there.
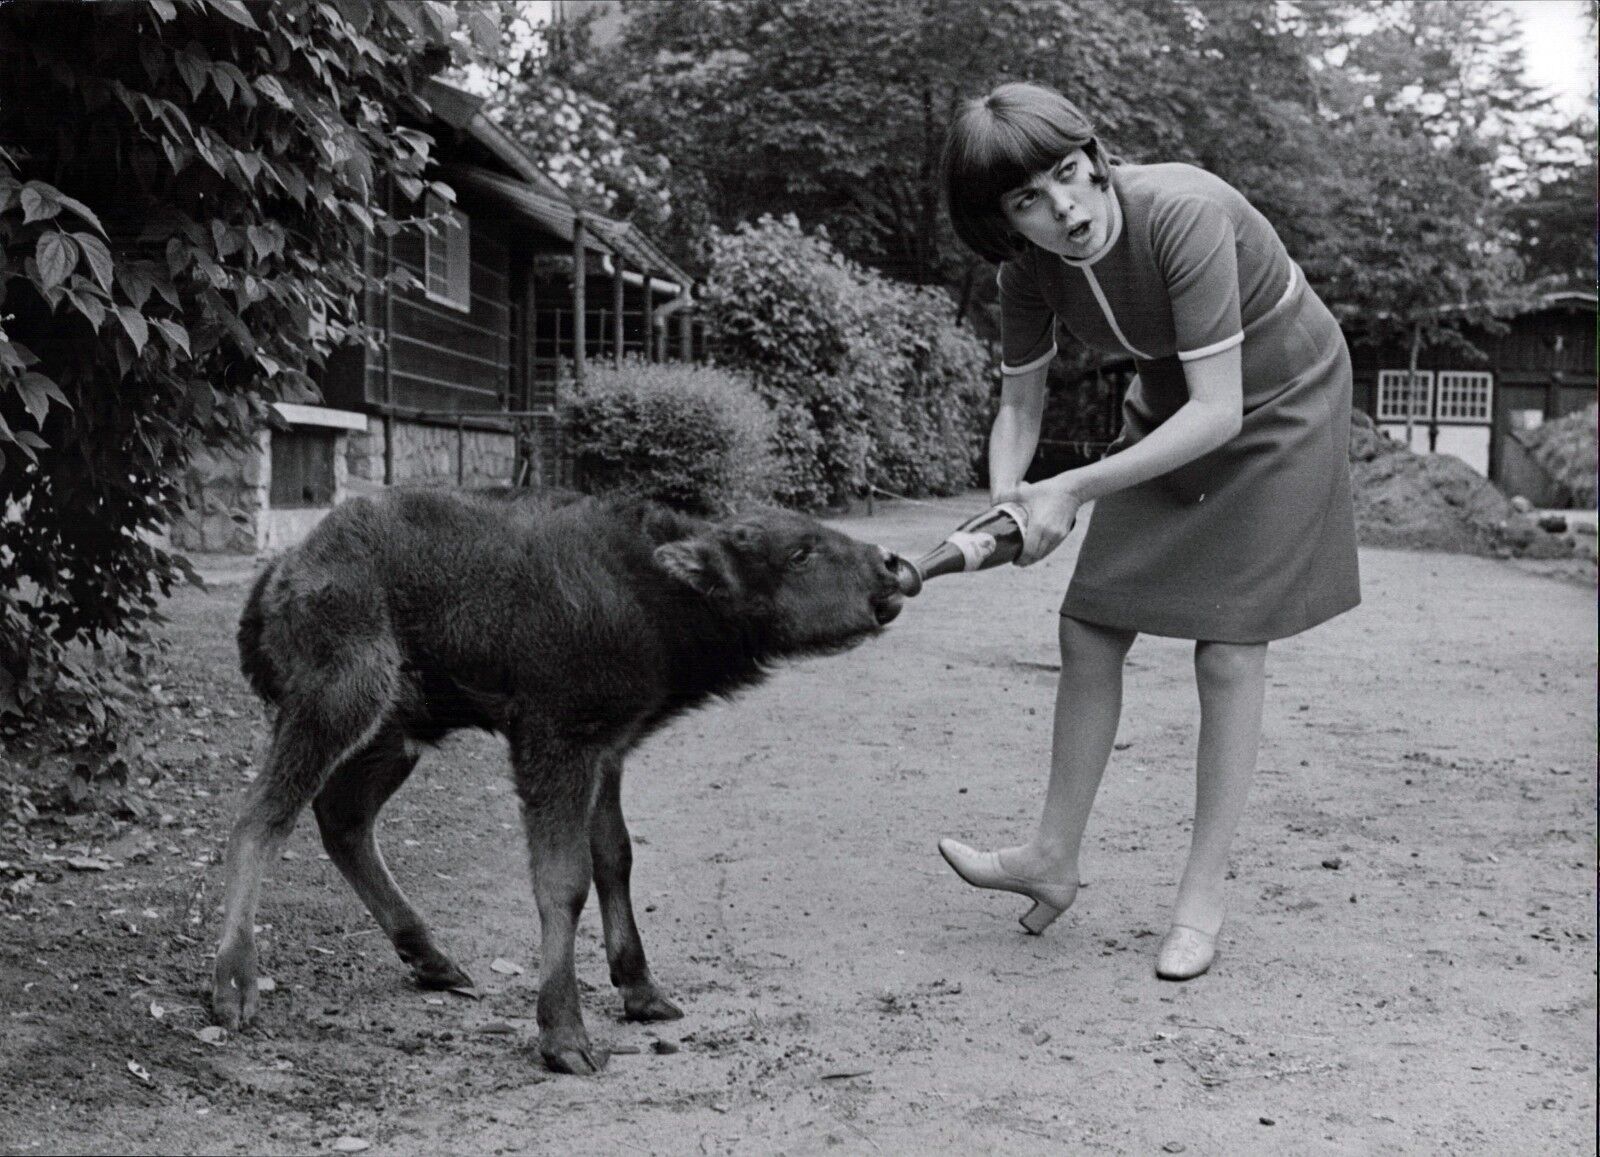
(1039, 917)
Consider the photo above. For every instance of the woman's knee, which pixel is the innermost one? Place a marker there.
(1090, 642)
(1230, 663)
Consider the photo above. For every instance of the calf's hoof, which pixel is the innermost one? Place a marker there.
(578, 1058)
(233, 990)
(440, 972)
(647, 1004)
(430, 967)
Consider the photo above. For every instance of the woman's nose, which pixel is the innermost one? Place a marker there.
(1065, 208)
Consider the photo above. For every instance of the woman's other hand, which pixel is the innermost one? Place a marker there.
(1052, 508)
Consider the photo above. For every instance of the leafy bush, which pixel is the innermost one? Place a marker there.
(932, 406)
(875, 385)
(694, 437)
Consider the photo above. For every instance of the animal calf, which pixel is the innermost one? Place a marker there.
(573, 626)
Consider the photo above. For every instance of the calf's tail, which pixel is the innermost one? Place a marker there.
(252, 660)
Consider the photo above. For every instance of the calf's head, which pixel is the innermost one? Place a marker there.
(808, 588)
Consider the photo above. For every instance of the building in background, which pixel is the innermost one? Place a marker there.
(1542, 367)
(478, 322)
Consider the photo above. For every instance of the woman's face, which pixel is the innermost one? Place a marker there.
(1062, 210)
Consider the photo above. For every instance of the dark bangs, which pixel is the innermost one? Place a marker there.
(994, 146)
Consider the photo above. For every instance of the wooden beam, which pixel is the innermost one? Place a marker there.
(649, 321)
(579, 292)
(618, 268)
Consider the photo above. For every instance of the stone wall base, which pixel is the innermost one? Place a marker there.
(229, 492)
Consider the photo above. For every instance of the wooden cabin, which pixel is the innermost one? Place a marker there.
(1476, 405)
(513, 292)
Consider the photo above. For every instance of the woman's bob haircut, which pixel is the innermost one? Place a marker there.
(997, 144)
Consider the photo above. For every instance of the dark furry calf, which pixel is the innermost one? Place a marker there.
(570, 625)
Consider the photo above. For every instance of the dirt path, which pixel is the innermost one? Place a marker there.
(1409, 964)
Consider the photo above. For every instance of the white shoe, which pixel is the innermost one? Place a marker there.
(1185, 953)
(984, 870)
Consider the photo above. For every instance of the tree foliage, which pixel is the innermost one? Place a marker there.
(835, 110)
(185, 190)
(573, 134)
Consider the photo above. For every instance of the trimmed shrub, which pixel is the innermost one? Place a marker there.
(874, 385)
(694, 437)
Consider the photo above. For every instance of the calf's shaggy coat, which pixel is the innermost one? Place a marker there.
(573, 627)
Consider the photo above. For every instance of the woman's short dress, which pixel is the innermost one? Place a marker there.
(1255, 540)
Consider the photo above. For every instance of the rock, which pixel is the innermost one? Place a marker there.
(1521, 505)
(1553, 523)
(1333, 863)
(1518, 532)
(663, 1047)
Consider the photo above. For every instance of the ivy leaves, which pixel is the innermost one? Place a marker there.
(186, 187)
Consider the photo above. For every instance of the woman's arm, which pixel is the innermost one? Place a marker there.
(1212, 416)
(1015, 433)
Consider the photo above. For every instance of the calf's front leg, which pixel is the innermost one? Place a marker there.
(612, 852)
(556, 788)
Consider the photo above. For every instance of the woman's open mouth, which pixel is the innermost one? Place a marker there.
(1079, 233)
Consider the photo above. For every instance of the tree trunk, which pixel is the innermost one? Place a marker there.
(1411, 382)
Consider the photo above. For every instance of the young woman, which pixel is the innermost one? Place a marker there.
(1223, 513)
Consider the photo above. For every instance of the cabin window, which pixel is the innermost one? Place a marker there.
(448, 251)
(302, 467)
(1465, 396)
(1392, 400)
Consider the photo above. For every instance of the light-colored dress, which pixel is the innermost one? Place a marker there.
(1255, 540)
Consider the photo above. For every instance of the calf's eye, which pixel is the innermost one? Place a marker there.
(800, 557)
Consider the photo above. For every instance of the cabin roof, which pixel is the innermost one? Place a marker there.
(558, 215)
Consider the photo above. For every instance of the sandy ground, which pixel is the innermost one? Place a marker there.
(1408, 966)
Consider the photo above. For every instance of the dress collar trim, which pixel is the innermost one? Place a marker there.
(1116, 225)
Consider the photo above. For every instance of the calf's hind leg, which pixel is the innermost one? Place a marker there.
(347, 814)
(313, 735)
(612, 853)
(556, 785)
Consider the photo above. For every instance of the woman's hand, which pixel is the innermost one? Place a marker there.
(1052, 507)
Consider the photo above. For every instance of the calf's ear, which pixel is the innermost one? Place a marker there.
(695, 562)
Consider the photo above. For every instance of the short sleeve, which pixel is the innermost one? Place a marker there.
(1027, 323)
(1194, 245)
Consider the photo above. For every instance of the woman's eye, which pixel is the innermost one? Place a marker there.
(1023, 201)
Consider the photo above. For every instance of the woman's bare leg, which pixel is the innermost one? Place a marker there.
(1088, 707)
(1232, 681)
